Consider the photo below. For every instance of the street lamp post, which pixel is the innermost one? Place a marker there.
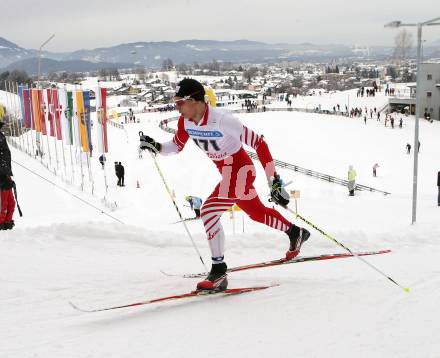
(396, 24)
(39, 56)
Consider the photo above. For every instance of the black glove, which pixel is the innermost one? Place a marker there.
(277, 192)
(148, 143)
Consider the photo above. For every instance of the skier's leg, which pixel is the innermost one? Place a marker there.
(268, 216)
(210, 213)
(271, 217)
(4, 206)
(10, 206)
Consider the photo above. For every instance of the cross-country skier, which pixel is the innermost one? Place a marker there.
(195, 204)
(221, 136)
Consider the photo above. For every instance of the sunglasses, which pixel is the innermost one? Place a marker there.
(180, 101)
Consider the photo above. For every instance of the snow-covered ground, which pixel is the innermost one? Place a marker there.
(64, 250)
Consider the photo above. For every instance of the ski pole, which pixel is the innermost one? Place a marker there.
(16, 199)
(153, 155)
(331, 238)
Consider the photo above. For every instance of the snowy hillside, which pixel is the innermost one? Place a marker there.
(65, 250)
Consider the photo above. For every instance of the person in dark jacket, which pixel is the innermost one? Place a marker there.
(438, 186)
(6, 184)
(102, 160)
(120, 173)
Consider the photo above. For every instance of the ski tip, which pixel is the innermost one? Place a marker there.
(77, 308)
(74, 306)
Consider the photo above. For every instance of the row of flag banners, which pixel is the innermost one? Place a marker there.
(67, 113)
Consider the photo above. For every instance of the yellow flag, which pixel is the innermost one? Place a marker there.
(36, 109)
(81, 119)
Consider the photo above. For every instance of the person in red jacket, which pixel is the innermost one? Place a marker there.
(7, 205)
(221, 136)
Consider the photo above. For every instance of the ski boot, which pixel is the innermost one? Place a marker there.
(8, 225)
(216, 280)
(297, 237)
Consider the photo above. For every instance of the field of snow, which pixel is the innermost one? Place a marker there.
(64, 250)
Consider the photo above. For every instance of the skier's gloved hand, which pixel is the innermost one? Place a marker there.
(277, 192)
(148, 143)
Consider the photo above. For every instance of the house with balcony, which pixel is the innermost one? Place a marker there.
(429, 89)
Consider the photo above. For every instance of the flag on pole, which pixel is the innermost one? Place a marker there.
(49, 111)
(57, 113)
(36, 110)
(86, 95)
(58, 110)
(22, 105)
(31, 109)
(75, 121)
(40, 109)
(70, 113)
(101, 110)
(80, 112)
(27, 108)
(64, 116)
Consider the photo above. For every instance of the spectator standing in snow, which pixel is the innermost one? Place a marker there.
(351, 176)
(375, 166)
(102, 160)
(118, 174)
(438, 186)
(7, 200)
(121, 172)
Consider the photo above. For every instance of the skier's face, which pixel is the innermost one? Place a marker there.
(185, 106)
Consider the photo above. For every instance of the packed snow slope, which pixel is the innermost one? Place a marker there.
(65, 250)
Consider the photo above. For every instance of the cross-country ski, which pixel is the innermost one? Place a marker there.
(193, 294)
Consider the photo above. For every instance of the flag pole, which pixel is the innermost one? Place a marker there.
(100, 117)
(9, 110)
(58, 111)
(51, 110)
(43, 106)
(26, 110)
(17, 116)
(68, 112)
(87, 139)
(38, 151)
(79, 136)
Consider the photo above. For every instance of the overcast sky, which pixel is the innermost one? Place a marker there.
(89, 24)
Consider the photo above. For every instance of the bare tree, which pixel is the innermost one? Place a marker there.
(167, 64)
(403, 43)
(141, 72)
(250, 73)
